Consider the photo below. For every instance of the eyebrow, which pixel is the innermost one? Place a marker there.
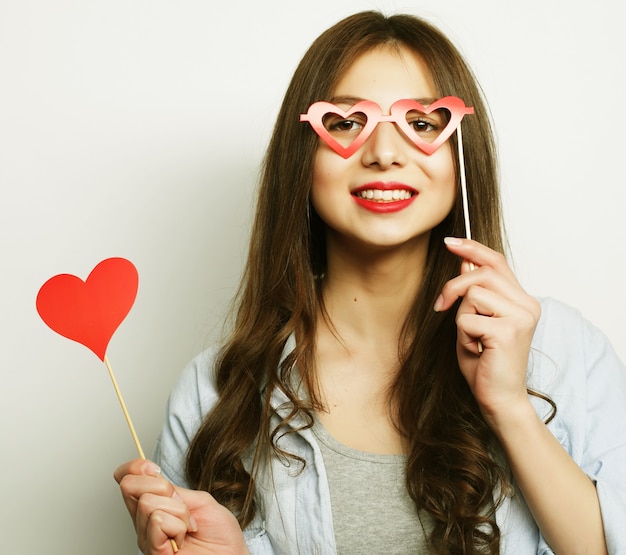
(352, 100)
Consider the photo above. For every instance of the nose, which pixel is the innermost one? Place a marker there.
(385, 147)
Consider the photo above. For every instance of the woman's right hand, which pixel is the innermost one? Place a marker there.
(162, 512)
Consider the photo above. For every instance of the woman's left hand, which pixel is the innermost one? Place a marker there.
(496, 321)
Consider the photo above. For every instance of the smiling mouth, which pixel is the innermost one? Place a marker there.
(379, 195)
(384, 198)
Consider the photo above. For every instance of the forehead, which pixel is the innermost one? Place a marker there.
(386, 74)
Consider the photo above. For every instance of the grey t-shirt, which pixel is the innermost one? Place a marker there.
(372, 510)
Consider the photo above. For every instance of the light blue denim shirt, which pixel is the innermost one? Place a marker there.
(571, 361)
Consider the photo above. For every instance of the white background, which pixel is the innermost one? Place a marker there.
(135, 128)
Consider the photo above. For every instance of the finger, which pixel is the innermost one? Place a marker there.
(150, 504)
(501, 301)
(161, 528)
(486, 278)
(470, 338)
(488, 298)
(467, 266)
(473, 316)
(136, 466)
(492, 318)
(478, 254)
(134, 486)
(195, 499)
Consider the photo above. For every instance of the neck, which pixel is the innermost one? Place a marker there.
(367, 295)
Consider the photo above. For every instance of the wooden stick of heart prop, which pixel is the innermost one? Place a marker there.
(130, 426)
(124, 409)
(90, 311)
(466, 216)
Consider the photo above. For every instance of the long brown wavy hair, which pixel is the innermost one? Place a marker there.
(453, 465)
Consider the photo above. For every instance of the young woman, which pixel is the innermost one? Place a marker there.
(387, 386)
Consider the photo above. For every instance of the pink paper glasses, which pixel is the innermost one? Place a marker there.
(427, 127)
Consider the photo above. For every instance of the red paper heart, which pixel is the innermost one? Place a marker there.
(90, 311)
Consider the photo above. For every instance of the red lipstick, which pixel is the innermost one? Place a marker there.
(384, 198)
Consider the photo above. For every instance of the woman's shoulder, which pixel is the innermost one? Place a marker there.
(192, 397)
(571, 359)
(554, 311)
(195, 390)
(564, 331)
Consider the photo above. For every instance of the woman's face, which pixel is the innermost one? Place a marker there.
(388, 193)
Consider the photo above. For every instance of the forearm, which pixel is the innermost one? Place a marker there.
(561, 497)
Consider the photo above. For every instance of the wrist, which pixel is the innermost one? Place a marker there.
(511, 419)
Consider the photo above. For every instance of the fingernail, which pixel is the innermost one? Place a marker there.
(151, 469)
(438, 303)
(193, 524)
(455, 241)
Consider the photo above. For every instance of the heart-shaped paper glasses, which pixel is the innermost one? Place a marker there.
(427, 127)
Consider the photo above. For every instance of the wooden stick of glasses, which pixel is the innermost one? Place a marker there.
(468, 229)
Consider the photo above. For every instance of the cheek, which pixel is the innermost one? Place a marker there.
(327, 172)
(319, 184)
(442, 173)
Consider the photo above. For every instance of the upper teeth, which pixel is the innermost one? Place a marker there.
(379, 194)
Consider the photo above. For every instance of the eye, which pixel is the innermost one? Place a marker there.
(424, 126)
(343, 125)
(338, 125)
(427, 125)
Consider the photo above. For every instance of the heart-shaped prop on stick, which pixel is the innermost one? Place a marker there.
(90, 312)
